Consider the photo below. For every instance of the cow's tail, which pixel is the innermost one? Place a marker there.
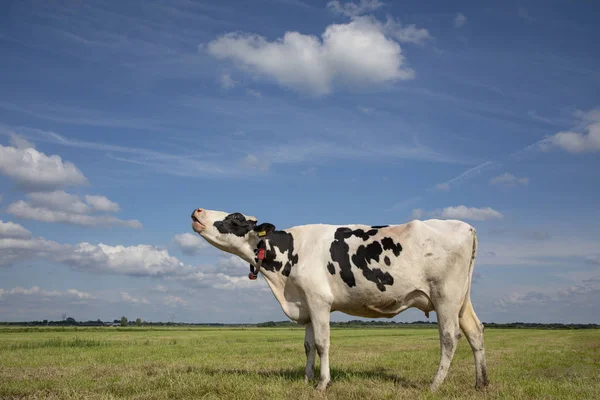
(470, 276)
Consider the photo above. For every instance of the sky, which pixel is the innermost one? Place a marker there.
(117, 119)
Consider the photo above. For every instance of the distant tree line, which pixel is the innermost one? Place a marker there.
(70, 321)
(523, 325)
(138, 322)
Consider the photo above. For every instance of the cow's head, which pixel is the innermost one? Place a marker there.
(234, 233)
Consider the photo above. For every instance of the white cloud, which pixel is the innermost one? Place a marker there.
(21, 249)
(101, 203)
(59, 206)
(460, 20)
(36, 291)
(583, 138)
(355, 54)
(232, 266)
(34, 170)
(523, 298)
(407, 33)
(586, 291)
(473, 213)
(79, 295)
(352, 9)
(161, 289)
(189, 243)
(227, 82)
(140, 260)
(12, 230)
(459, 212)
(220, 281)
(174, 301)
(509, 180)
(126, 297)
(137, 261)
(20, 142)
(22, 209)
(59, 201)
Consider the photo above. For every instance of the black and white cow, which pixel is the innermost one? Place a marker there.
(361, 270)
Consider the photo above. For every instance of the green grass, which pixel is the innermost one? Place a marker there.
(261, 363)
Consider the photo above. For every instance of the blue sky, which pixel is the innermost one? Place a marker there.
(116, 121)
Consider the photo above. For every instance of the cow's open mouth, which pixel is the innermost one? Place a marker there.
(197, 225)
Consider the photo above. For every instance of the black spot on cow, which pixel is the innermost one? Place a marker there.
(331, 268)
(387, 261)
(388, 244)
(235, 224)
(362, 258)
(366, 254)
(340, 253)
(428, 254)
(284, 242)
(345, 233)
(379, 226)
(364, 235)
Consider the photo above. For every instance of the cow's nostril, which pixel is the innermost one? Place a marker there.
(199, 210)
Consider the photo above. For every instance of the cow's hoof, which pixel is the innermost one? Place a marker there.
(323, 385)
(481, 386)
(307, 378)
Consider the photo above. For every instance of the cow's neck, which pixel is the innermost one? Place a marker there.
(279, 262)
(247, 252)
(282, 292)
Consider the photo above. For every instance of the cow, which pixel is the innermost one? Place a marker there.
(360, 270)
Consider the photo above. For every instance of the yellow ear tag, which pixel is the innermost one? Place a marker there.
(262, 233)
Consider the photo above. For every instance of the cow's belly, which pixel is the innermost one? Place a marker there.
(376, 304)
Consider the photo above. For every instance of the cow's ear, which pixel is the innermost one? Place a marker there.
(264, 229)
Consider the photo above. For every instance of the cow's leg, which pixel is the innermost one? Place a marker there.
(311, 352)
(473, 330)
(448, 326)
(319, 317)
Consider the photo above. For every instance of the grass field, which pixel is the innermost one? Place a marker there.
(260, 363)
